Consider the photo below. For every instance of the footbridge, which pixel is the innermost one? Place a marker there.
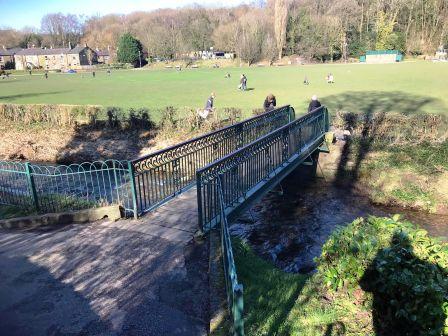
(221, 173)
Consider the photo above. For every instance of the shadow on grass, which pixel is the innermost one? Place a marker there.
(383, 102)
(28, 95)
(269, 293)
(367, 111)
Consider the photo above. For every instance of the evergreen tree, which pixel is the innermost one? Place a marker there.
(128, 49)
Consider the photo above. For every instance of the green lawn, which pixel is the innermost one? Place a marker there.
(405, 87)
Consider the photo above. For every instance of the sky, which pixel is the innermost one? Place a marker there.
(20, 13)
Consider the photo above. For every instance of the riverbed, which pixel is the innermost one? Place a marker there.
(291, 223)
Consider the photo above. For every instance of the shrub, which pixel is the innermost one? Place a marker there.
(394, 127)
(402, 269)
(56, 115)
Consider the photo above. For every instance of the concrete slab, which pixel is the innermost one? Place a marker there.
(145, 277)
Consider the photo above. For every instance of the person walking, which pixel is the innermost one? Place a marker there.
(314, 104)
(93, 74)
(244, 82)
(269, 103)
(46, 74)
(240, 86)
(208, 106)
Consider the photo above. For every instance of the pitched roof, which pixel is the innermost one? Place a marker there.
(39, 51)
(77, 49)
(9, 51)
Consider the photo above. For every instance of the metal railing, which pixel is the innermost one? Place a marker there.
(259, 161)
(234, 290)
(60, 188)
(166, 173)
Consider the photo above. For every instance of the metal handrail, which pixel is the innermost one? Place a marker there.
(138, 185)
(243, 169)
(46, 188)
(234, 289)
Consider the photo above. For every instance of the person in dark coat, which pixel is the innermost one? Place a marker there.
(314, 104)
(269, 103)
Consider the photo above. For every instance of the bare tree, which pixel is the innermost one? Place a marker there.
(281, 18)
(251, 34)
(62, 29)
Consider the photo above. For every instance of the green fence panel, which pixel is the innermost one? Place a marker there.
(67, 187)
(162, 175)
(245, 168)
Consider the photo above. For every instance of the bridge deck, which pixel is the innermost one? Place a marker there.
(144, 277)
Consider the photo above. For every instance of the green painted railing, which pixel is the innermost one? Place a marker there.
(234, 290)
(245, 170)
(162, 175)
(47, 189)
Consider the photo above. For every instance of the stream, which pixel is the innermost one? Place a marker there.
(290, 224)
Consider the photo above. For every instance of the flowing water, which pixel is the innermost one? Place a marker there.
(290, 225)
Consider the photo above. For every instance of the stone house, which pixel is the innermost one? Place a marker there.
(103, 56)
(47, 59)
(55, 59)
(81, 56)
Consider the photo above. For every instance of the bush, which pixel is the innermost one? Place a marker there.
(56, 115)
(394, 127)
(402, 271)
(9, 65)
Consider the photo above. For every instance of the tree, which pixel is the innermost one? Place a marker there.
(384, 32)
(281, 20)
(30, 39)
(62, 29)
(252, 33)
(129, 49)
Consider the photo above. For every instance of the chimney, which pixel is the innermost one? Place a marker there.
(85, 45)
(69, 45)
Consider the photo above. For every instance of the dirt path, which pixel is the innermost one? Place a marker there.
(145, 277)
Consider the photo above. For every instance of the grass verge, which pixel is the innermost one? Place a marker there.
(377, 276)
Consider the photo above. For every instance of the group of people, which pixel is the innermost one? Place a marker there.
(269, 104)
(329, 78)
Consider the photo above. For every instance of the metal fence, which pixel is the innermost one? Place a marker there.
(163, 174)
(60, 188)
(245, 168)
(234, 290)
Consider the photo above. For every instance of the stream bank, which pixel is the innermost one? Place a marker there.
(291, 223)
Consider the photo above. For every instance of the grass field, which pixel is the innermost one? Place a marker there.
(405, 87)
